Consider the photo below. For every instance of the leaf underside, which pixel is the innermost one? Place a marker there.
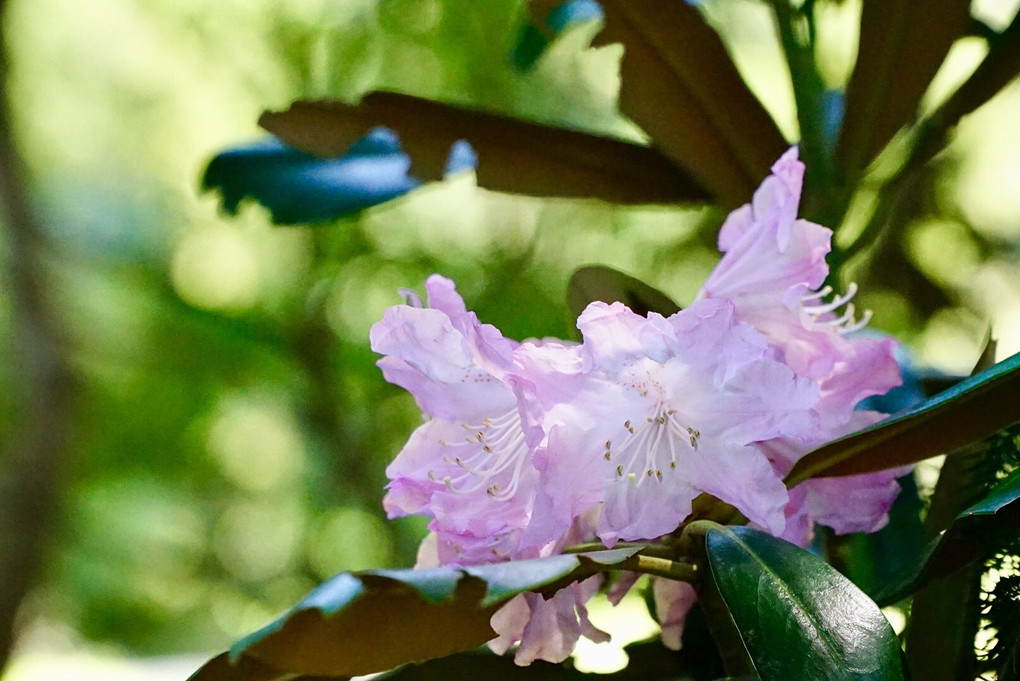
(360, 623)
(513, 155)
(902, 45)
(601, 283)
(681, 86)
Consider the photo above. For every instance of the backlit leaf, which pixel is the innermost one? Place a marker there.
(976, 531)
(513, 155)
(680, 85)
(902, 45)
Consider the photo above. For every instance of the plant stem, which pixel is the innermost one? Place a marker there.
(808, 92)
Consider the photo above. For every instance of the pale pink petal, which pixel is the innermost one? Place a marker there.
(855, 503)
(428, 552)
(673, 600)
(744, 478)
(443, 296)
(867, 367)
(547, 629)
(625, 581)
(613, 334)
(433, 361)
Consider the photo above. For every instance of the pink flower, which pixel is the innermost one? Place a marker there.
(468, 467)
(773, 269)
(854, 503)
(663, 410)
(528, 448)
(546, 629)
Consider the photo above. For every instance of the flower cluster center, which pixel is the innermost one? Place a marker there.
(651, 447)
(492, 455)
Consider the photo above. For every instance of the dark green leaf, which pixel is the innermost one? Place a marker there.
(680, 85)
(598, 282)
(648, 661)
(975, 532)
(796, 616)
(902, 45)
(966, 413)
(248, 669)
(359, 623)
(513, 155)
(997, 70)
(873, 560)
(298, 188)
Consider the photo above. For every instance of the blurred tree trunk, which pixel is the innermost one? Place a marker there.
(32, 452)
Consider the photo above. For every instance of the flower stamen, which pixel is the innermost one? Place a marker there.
(647, 452)
(845, 323)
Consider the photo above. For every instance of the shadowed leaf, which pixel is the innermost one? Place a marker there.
(513, 155)
(996, 71)
(648, 661)
(247, 669)
(598, 282)
(297, 187)
(902, 45)
(978, 530)
(680, 85)
(966, 413)
(359, 623)
(796, 616)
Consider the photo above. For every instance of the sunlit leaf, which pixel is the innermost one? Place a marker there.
(559, 17)
(598, 282)
(964, 414)
(298, 187)
(359, 623)
(680, 85)
(902, 45)
(976, 531)
(796, 616)
(513, 155)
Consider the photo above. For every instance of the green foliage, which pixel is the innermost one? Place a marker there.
(229, 402)
(795, 617)
(966, 413)
(371, 621)
(597, 282)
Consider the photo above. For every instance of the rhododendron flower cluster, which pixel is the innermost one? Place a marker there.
(530, 447)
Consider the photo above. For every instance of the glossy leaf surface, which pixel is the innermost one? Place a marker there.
(513, 155)
(598, 282)
(359, 623)
(966, 413)
(796, 616)
(681, 86)
(902, 45)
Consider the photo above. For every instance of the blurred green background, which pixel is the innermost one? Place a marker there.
(228, 427)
